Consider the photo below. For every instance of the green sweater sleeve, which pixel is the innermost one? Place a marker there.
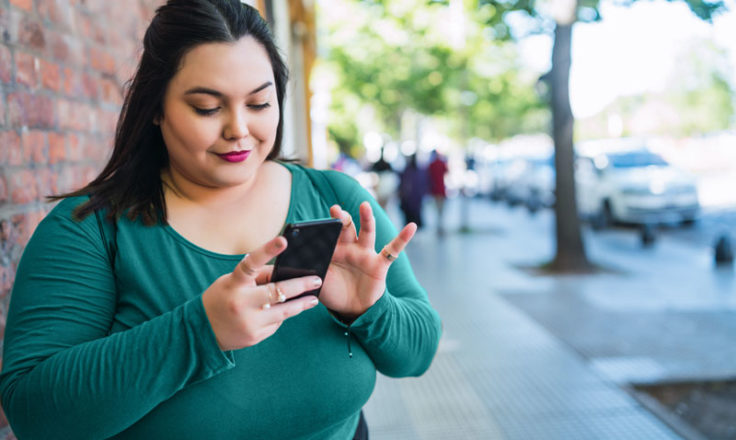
(401, 331)
(64, 375)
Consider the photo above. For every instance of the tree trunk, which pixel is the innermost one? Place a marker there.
(570, 255)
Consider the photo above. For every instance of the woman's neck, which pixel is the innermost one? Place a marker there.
(187, 191)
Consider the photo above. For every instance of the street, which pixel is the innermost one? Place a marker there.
(527, 355)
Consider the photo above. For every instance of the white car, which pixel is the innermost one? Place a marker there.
(634, 186)
(539, 183)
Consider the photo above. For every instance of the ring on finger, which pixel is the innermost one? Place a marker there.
(267, 304)
(387, 254)
(280, 297)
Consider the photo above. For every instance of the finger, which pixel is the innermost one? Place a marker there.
(348, 232)
(281, 291)
(264, 274)
(248, 269)
(367, 236)
(281, 312)
(392, 250)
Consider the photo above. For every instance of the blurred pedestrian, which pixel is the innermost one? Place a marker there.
(437, 172)
(412, 188)
(386, 180)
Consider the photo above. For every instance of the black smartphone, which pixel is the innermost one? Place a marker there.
(309, 251)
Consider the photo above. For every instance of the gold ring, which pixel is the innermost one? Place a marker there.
(271, 292)
(350, 223)
(281, 296)
(387, 254)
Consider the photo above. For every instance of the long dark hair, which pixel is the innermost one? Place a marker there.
(131, 180)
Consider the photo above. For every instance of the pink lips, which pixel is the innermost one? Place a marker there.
(235, 156)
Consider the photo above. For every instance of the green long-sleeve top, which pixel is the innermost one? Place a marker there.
(92, 353)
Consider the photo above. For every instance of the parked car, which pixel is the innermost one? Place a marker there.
(634, 186)
(538, 183)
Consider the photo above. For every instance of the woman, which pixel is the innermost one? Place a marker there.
(135, 313)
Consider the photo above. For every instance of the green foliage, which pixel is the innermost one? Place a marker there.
(393, 57)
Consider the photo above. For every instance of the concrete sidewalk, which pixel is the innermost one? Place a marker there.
(498, 373)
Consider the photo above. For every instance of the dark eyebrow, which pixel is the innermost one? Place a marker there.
(261, 87)
(217, 94)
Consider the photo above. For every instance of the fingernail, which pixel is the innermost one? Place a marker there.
(316, 281)
(279, 244)
(314, 301)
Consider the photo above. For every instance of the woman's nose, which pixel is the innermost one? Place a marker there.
(237, 126)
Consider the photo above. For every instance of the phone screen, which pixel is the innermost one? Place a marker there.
(309, 251)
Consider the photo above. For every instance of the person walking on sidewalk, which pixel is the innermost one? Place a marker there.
(143, 306)
(437, 172)
(386, 180)
(412, 188)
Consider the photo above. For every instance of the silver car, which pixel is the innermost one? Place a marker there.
(634, 186)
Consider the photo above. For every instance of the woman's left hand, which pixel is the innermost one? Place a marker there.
(356, 278)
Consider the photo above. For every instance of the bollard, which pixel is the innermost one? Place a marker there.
(723, 250)
(647, 235)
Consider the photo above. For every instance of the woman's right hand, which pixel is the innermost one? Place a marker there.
(244, 307)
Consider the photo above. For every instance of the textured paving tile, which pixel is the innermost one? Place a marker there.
(499, 374)
(630, 369)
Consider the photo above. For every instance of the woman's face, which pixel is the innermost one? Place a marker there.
(220, 113)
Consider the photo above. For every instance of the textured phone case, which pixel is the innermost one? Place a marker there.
(310, 249)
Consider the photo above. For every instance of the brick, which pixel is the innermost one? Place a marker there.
(11, 153)
(2, 110)
(101, 60)
(91, 116)
(56, 12)
(3, 190)
(23, 4)
(22, 186)
(25, 224)
(34, 146)
(30, 32)
(7, 276)
(46, 181)
(79, 176)
(75, 115)
(108, 120)
(29, 110)
(96, 149)
(90, 85)
(65, 180)
(4, 23)
(89, 173)
(6, 63)
(73, 83)
(97, 7)
(90, 27)
(65, 48)
(27, 69)
(50, 75)
(75, 147)
(57, 148)
(111, 92)
(58, 47)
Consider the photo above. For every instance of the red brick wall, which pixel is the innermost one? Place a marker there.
(62, 67)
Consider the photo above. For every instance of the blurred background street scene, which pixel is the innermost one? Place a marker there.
(571, 165)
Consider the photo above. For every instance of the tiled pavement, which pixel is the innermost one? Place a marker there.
(499, 374)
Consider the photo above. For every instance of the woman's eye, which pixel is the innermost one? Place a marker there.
(206, 111)
(259, 106)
